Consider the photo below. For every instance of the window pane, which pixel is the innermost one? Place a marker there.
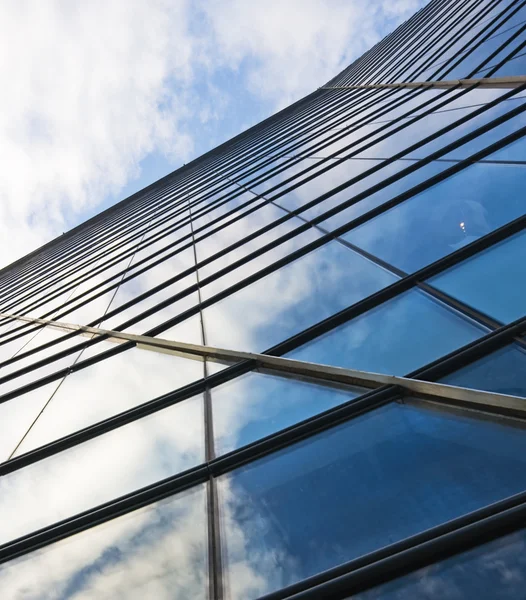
(102, 469)
(354, 476)
(396, 337)
(503, 371)
(287, 301)
(255, 405)
(159, 551)
(492, 281)
(445, 217)
(109, 387)
(493, 571)
(17, 415)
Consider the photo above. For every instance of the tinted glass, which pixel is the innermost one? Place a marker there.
(493, 571)
(493, 281)
(336, 496)
(255, 405)
(503, 371)
(445, 217)
(396, 337)
(289, 300)
(159, 551)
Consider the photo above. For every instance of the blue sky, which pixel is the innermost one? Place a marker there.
(102, 98)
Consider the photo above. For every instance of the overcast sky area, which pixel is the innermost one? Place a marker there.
(104, 97)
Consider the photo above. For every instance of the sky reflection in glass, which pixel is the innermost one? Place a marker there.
(103, 468)
(445, 217)
(396, 337)
(256, 404)
(502, 371)
(287, 301)
(159, 551)
(354, 476)
(492, 281)
(494, 571)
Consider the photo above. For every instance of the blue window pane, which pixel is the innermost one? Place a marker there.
(256, 404)
(493, 281)
(355, 475)
(503, 371)
(445, 217)
(159, 551)
(493, 571)
(396, 337)
(297, 296)
(472, 61)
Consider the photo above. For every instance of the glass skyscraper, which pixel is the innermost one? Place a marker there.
(294, 367)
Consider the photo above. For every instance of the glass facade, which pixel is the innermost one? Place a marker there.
(295, 365)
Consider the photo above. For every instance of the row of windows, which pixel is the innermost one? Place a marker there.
(303, 236)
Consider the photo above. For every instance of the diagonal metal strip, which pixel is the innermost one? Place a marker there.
(486, 82)
(500, 403)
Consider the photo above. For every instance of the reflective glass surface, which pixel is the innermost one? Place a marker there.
(256, 404)
(17, 416)
(109, 387)
(493, 571)
(336, 496)
(159, 551)
(396, 337)
(103, 468)
(492, 281)
(287, 301)
(445, 217)
(503, 371)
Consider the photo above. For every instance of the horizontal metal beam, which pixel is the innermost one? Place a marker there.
(486, 82)
(501, 403)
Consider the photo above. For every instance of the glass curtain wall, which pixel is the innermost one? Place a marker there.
(378, 225)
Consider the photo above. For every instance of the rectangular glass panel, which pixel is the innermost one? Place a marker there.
(372, 481)
(159, 551)
(445, 217)
(255, 405)
(502, 371)
(17, 416)
(109, 387)
(287, 301)
(102, 469)
(396, 337)
(492, 281)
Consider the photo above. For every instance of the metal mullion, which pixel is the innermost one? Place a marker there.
(351, 408)
(457, 305)
(423, 17)
(422, 44)
(110, 212)
(354, 223)
(213, 529)
(85, 277)
(469, 17)
(399, 55)
(511, 54)
(446, 67)
(57, 266)
(479, 18)
(412, 553)
(215, 467)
